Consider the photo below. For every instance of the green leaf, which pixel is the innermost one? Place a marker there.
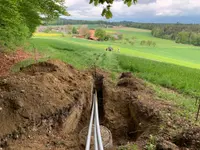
(129, 3)
(91, 1)
(103, 12)
(96, 2)
(108, 14)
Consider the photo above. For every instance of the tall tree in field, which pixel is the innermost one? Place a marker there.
(100, 34)
(74, 30)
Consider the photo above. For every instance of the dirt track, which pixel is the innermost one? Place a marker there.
(47, 104)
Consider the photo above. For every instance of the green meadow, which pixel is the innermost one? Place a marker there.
(168, 64)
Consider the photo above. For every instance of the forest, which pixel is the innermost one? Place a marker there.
(185, 34)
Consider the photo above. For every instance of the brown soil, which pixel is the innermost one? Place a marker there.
(43, 98)
(189, 138)
(46, 105)
(8, 60)
(130, 110)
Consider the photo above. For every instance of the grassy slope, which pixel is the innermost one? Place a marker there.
(186, 80)
(83, 53)
(165, 50)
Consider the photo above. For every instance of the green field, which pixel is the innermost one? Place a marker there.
(167, 64)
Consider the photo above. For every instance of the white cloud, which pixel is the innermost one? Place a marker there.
(81, 9)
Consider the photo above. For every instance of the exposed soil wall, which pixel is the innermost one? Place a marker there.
(127, 113)
(46, 96)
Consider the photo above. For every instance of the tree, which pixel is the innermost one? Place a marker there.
(19, 18)
(183, 37)
(100, 34)
(83, 30)
(106, 11)
(74, 30)
(12, 29)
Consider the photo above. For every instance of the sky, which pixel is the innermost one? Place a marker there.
(156, 11)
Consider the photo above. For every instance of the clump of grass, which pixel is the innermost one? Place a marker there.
(186, 104)
(129, 146)
(151, 145)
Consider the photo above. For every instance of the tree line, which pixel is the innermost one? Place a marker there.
(62, 21)
(180, 33)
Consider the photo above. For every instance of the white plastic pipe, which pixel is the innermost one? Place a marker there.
(97, 123)
(90, 127)
(95, 134)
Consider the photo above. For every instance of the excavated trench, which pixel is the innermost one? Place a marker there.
(120, 109)
(98, 86)
(53, 105)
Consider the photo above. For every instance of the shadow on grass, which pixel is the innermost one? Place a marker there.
(62, 48)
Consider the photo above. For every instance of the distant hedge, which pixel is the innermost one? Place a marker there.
(186, 34)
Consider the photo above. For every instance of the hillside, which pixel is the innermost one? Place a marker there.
(45, 106)
(95, 75)
(49, 101)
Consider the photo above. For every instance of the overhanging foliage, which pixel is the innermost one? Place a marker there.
(19, 18)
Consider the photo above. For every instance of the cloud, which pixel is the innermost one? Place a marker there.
(81, 9)
(146, 1)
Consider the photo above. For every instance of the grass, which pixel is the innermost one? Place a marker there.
(185, 80)
(185, 103)
(129, 146)
(168, 64)
(165, 50)
(79, 56)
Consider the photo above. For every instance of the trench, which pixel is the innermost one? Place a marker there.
(121, 112)
(129, 131)
(98, 80)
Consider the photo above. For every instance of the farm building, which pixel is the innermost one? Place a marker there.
(92, 35)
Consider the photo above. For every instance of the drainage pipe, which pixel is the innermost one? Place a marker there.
(90, 127)
(95, 135)
(97, 122)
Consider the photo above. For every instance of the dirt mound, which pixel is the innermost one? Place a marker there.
(132, 83)
(189, 138)
(7, 60)
(126, 75)
(46, 105)
(51, 94)
(129, 110)
(41, 67)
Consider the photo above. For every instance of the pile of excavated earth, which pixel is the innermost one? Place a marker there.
(46, 105)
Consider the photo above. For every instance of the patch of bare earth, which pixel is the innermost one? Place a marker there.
(8, 60)
(46, 105)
